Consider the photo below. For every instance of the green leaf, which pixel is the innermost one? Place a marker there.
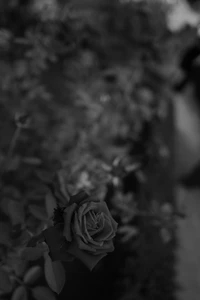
(5, 238)
(44, 176)
(23, 238)
(17, 264)
(61, 189)
(20, 294)
(36, 239)
(57, 244)
(32, 275)
(30, 253)
(43, 293)
(5, 283)
(38, 212)
(13, 163)
(16, 212)
(54, 274)
(78, 198)
(62, 184)
(50, 202)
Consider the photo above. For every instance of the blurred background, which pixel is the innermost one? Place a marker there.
(108, 92)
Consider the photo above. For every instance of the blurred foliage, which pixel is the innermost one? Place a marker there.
(86, 88)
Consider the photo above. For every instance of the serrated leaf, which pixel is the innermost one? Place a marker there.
(32, 275)
(50, 202)
(5, 283)
(16, 212)
(20, 294)
(43, 293)
(54, 274)
(5, 238)
(38, 212)
(30, 253)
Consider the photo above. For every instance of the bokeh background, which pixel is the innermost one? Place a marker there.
(107, 92)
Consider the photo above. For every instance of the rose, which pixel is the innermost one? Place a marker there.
(83, 229)
(89, 228)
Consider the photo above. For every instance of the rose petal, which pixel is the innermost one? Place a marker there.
(90, 199)
(84, 246)
(93, 206)
(68, 214)
(96, 243)
(89, 260)
(113, 233)
(77, 228)
(105, 210)
(91, 217)
(107, 247)
(85, 229)
(114, 224)
(94, 231)
(90, 239)
(81, 210)
(92, 220)
(107, 232)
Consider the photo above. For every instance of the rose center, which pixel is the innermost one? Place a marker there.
(93, 220)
